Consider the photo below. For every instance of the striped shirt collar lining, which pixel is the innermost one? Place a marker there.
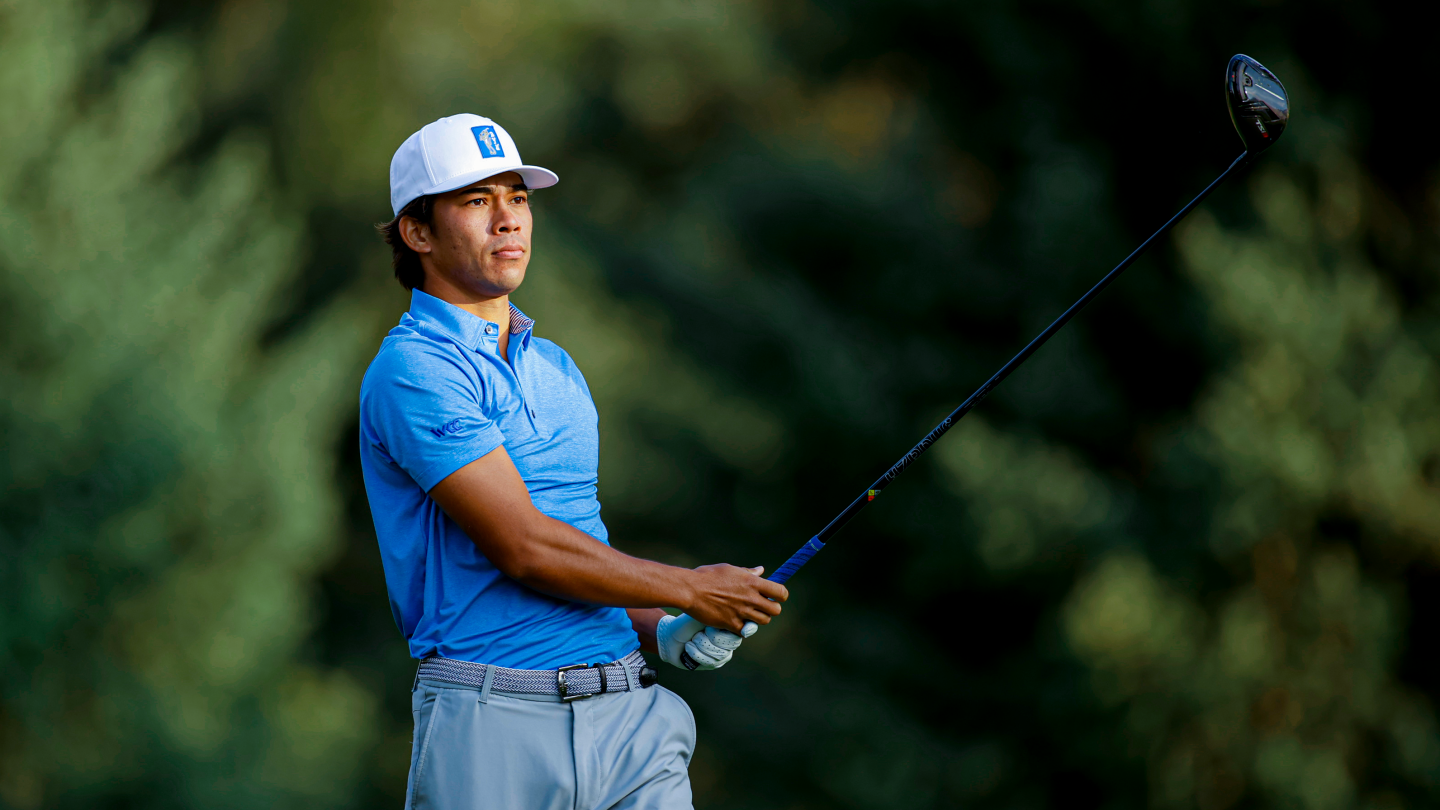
(518, 322)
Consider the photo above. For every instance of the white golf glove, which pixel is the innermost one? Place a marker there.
(707, 647)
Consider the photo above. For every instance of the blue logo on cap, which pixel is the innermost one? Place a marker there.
(488, 140)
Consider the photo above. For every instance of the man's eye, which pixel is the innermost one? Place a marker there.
(520, 198)
(477, 201)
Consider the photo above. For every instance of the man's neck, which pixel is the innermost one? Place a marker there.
(495, 310)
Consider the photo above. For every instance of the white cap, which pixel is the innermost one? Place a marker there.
(453, 153)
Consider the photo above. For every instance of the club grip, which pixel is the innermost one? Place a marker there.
(786, 571)
(796, 560)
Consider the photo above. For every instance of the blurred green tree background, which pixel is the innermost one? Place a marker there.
(1185, 559)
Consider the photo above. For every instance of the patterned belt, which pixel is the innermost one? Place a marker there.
(569, 683)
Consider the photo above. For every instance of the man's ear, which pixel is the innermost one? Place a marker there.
(416, 234)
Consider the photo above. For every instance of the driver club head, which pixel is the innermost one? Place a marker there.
(1259, 106)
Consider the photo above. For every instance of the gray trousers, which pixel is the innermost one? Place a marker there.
(623, 750)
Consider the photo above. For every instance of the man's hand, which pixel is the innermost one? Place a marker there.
(707, 647)
(728, 597)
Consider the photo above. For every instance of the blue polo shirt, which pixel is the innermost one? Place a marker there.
(438, 396)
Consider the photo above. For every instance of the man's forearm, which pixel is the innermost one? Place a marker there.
(563, 561)
(490, 503)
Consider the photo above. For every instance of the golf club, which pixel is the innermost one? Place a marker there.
(1259, 109)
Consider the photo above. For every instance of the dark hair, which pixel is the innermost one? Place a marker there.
(406, 261)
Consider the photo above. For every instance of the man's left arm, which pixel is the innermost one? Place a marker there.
(644, 621)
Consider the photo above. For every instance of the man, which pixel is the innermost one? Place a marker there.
(479, 444)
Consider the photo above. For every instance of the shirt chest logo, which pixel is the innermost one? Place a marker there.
(450, 428)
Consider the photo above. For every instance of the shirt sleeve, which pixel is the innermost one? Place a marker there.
(421, 407)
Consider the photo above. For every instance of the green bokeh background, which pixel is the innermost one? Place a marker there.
(1186, 558)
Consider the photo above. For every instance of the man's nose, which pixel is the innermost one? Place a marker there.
(507, 221)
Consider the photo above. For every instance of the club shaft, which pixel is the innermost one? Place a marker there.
(812, 546)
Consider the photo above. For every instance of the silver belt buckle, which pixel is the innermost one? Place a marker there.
(564, 688)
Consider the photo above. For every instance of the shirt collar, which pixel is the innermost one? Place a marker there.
(468, 329)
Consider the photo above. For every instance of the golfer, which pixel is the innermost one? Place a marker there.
(480, 447)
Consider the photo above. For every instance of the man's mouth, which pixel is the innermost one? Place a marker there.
(509, 252)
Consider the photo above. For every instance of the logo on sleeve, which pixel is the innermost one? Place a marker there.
(451, 428)
(489, 142)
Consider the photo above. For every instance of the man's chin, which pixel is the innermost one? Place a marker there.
(504, 277)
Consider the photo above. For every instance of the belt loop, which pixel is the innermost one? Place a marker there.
(485, 687)
(632, 680)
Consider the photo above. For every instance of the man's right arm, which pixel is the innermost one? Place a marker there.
(489, 501)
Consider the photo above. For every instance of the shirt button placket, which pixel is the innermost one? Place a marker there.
(524, 395)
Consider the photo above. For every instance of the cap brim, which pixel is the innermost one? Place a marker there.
(534, 177)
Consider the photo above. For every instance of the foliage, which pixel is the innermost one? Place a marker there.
(168, 489)
(1180, 560)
